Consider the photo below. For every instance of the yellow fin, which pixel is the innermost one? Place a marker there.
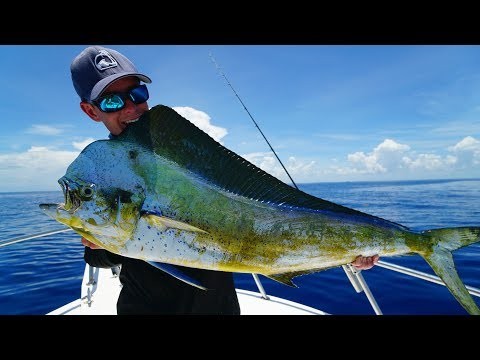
(165, 223)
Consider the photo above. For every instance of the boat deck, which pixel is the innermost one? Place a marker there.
(101, 300)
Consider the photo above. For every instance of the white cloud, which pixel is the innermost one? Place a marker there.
(300, 171)
(202, 121)
(391, 157)
(388, 160)
(80, 145)
(467, 152)
(466, 144)
(44, 130)
(425, 162)
(366, 163)
(385, 156)
(38, 168)
(389, 145)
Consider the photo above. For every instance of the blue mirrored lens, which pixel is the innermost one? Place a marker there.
(111, 103)
(139, 94)
(116, 101)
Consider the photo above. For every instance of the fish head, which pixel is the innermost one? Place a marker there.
(103, 194)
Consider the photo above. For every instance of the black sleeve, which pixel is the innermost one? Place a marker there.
(101, 258)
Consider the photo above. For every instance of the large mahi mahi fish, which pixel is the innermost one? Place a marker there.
(165, 191)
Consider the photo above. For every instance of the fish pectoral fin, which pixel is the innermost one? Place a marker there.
(164, 222)
(177, 273)
(441, 261)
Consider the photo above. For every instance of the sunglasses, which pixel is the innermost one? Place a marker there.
(116, 101)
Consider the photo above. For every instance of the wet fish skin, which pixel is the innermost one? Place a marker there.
(164, 191)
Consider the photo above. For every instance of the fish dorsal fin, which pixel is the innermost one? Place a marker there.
(163, 222)
(177, 273)
(175, 138)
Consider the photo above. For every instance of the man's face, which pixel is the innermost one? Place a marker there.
(117, 121)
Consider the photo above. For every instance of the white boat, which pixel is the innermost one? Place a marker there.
(101, 287)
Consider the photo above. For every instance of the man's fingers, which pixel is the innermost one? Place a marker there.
(89, 244)
(365, 262)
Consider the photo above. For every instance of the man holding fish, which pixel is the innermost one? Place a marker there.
(111, 92)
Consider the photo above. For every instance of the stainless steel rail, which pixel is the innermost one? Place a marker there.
(34, 236)
(422, 275)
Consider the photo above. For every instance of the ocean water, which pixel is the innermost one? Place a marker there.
(39, 275)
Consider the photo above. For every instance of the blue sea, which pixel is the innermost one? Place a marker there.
(39, 275)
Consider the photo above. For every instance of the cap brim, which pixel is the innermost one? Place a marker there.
(102, 84)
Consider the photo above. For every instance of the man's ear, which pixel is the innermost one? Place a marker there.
(89, 110)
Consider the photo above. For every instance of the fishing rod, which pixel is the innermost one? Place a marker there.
(251, 117)
(355, 277)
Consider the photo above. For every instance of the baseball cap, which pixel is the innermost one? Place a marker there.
(96, 67)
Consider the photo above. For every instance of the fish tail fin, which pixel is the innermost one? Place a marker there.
(440, 259)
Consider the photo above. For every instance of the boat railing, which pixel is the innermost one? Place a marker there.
(354, 275)
(360, 285)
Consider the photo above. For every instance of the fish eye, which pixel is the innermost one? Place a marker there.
(87, 191)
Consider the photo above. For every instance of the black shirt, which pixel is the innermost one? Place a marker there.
(148, 290)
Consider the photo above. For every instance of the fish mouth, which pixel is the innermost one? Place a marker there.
(50, 209)
(72, 202)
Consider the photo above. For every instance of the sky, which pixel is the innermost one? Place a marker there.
(332, 113)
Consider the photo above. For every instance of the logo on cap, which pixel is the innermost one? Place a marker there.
(104, 60)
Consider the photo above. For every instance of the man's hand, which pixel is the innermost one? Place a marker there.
(365, 262)
(90, 244)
